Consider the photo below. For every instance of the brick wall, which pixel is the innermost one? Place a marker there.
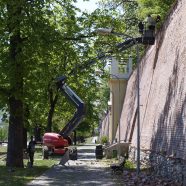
(162, 91)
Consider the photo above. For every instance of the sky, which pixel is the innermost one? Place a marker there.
(87, 5)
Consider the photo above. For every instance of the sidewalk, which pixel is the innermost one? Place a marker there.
(84, 171)
(87, 171)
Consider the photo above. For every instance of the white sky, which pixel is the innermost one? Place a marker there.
(89, 6)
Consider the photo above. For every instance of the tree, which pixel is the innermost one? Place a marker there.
(27, 32)
(154, 7)
(41, 40)
(15, 145)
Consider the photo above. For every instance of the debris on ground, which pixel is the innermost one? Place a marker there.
(145, 179)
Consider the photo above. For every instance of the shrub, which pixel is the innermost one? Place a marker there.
(104, 139)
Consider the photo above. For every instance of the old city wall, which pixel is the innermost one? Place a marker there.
(162, 94)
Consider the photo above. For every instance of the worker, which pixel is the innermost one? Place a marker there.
(141, 27)
(151, 23)
(158, 19)
(31, 150)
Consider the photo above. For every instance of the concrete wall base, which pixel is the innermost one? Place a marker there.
(117, 149)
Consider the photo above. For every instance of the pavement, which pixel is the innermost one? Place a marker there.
(86, 170)
(89, 171)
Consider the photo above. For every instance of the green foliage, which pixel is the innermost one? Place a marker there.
(50, 49)
(3, 133)
(154, 8)
(129, 165)
(48, 44)
(3, 125)
(84, 128)
(104, 139)
(134, 11)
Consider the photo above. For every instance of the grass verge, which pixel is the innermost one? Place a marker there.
(21, 176)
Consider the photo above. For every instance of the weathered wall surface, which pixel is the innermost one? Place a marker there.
(162, 91)
(104, 130)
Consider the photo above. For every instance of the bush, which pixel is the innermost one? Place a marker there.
(129, 165)
(104, 139)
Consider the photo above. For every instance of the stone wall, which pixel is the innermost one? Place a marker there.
(162, 96)
(162, 91)
(104, 130)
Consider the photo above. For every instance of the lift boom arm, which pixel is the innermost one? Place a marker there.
(146, 39)
(76, 101)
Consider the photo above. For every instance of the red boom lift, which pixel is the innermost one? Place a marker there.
(57, 143)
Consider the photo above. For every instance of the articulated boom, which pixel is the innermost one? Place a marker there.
(78, 103)
(57, 143)
(147, 38)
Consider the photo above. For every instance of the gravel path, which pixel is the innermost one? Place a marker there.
(91, 172)
(84, 171)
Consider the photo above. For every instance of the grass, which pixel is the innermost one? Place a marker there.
(21, 176)
(129, 165)
(3, 149)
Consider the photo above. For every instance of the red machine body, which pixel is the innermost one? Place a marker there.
(54, 140)
(55, 143)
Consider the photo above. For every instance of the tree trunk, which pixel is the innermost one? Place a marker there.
(15, 132)
(75, 137)
(37, 133)
(53, 101)
(24, 138)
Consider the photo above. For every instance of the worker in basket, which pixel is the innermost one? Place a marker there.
(141, 27)
(149, 23)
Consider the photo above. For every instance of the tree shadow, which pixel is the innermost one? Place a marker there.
(170, 134)
(19, 176)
